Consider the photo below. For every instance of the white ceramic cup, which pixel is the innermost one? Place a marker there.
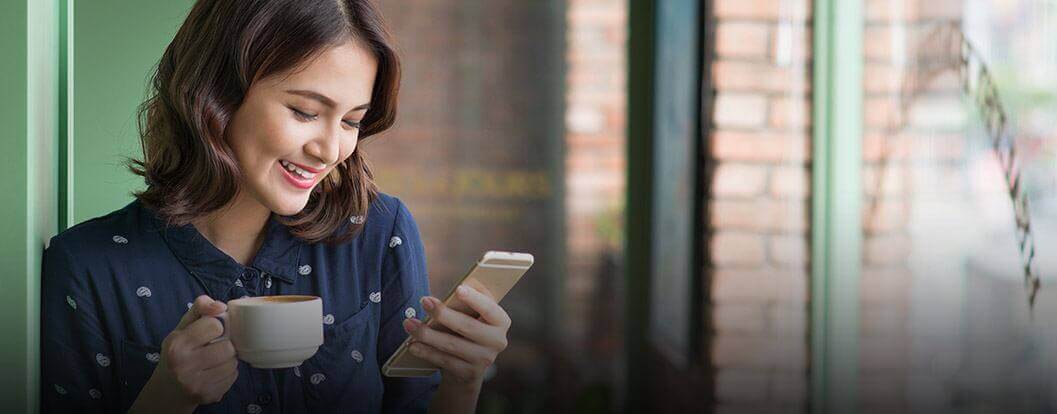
(274, 331)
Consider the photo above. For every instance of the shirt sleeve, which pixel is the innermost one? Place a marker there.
(76, 364)
(405, 281)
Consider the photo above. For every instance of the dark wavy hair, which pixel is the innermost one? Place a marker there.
(220, 50)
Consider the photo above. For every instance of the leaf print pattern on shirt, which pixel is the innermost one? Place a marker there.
(376, 297)
(395, 241)
(119, 239)
(71, 302)
(59, 389)
(357, 356)
(103, 360)
(95, 394)
(357, 219)
(143, 292)
(328, 319)
(253, 409)
(153, 357)
(304, 270)
(317, 378)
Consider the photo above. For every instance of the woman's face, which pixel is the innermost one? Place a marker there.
(290, 132)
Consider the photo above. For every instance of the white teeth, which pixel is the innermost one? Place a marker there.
(297, 170)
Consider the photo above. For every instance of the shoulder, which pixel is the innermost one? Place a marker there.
(119, 227)
(388, 213)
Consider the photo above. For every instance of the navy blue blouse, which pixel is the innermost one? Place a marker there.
(114, 287)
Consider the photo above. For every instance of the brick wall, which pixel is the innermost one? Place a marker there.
(594, 151)
(759, 204)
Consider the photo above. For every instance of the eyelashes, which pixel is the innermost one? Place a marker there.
(307, 117)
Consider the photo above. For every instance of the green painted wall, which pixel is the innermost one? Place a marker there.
(116, 44)
(13, 194)
(29, 115)
(71, 77)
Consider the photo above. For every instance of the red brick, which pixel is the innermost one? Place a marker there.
(732, 180)
(788, 321)
(883, 79)
(888, 180)
(740, 285)
(886, 11)
(762, 9)
(789, 388)
(884, 215)
(882, 113)
(790, 113)
(759, 215)
(760, 146)
(886, 249)
(788, 251)
(761, 352)
(883, 321)
(790, 182)
(877, 44)
(942, 9)
(742, 39)
(947, 114)
(738, 385)
(746, 318)
(791, 45)
(760, 76)
(740, 110)
(781, 286)
(737, 249)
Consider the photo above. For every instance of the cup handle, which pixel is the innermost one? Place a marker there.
(223, 318)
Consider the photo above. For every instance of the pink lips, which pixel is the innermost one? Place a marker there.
(294, 179)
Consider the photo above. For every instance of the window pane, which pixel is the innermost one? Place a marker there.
(511, 137)
(946, 323)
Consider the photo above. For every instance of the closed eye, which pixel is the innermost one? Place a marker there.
(302, 115)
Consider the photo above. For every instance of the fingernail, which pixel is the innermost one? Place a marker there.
(463, 290)
(409, 325)
(426, 303)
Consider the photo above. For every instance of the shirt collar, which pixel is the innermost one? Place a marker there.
(277, 256)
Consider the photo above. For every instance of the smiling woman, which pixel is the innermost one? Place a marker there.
(278, 83)
(256, 187)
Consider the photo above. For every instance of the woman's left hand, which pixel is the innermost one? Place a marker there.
(466, 356)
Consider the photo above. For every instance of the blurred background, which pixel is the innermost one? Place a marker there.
(735, 205)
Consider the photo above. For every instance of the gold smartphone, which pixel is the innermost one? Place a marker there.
(494, 275)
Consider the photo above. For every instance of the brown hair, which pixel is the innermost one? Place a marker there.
(221, 48)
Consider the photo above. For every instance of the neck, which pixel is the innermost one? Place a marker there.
(237, 229)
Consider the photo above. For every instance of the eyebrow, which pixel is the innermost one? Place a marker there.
(323, 98)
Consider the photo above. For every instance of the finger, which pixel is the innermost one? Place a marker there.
(446, 361)
(459, 347)
(203, 330)
(217, 354)
(460, 323)
(203, 305)
(485, 306)
(221, 373)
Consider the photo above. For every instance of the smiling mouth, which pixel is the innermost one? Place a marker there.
(297, 171)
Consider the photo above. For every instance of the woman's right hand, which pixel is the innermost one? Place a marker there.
(192, 371)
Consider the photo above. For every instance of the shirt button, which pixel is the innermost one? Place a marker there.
(264, 399)
(247, 276)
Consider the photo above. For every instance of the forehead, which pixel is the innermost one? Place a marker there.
(345, 73)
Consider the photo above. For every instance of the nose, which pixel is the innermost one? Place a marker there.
(326, 148)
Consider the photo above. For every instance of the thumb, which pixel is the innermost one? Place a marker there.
(202, 306)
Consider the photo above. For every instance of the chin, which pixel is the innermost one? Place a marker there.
(289, 206)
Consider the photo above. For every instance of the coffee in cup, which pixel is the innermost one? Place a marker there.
(274, 331)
